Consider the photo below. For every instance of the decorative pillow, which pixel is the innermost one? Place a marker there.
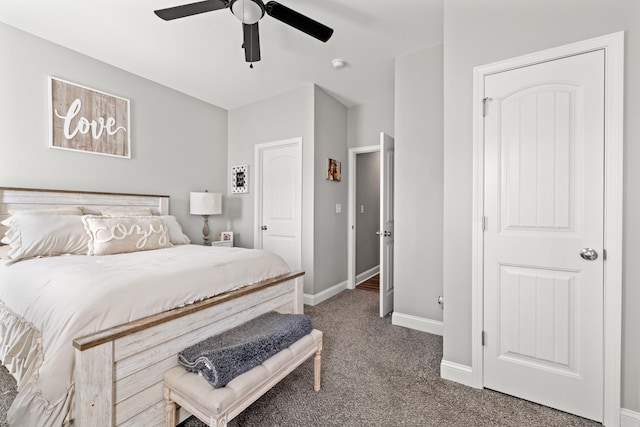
(121, 234)
(67, 210)
(6, 223)
(4, 252)
(45, 235)
(127, 212)
(175, 230)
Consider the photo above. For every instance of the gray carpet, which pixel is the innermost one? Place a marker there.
(377, 374)
(374, 374)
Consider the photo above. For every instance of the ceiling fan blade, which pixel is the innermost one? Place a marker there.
(299, 21)
(191, 9)
(251, 42)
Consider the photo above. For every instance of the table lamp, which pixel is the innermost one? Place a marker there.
(205, 204)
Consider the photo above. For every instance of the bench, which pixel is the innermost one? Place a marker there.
(217, 406)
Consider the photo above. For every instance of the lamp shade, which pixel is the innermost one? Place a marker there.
(205, 203)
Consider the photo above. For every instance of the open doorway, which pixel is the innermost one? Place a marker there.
(364, 211)
(385, 231)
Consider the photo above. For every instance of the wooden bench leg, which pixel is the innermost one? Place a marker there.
(220, 421)
(316, 368)
(170, 409)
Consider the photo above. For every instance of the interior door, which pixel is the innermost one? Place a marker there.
(279, 200)
(386, 224)
(544, 226)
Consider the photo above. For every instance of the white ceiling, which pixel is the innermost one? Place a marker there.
(202, 56)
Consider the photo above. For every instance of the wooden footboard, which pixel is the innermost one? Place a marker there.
(119, 371)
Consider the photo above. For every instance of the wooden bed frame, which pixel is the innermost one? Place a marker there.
(118, 372)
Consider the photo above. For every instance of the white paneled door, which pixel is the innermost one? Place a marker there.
(544, 226)
(279, 200)
(386, 224)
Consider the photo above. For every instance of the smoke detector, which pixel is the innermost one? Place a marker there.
(338, 63)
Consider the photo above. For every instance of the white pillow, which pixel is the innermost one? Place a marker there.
(175, 230)
(114, 235)
(64, 210)
(45, 235)
(4, 251)
(127, 212)
(5, 239)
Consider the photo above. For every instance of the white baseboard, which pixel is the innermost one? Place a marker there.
(418, 323)
(325, 295)
(366, 275)
(462, 374)
(629, 418)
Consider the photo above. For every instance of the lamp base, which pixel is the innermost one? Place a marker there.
(205, 231)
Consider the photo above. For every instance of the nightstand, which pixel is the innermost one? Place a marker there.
(227, 243)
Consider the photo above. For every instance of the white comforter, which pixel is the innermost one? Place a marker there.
(45, 303)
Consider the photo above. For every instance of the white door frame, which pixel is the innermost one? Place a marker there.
(613, 45)
(351, 242)
(257, 202)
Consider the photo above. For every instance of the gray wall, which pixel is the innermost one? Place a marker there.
(419, 183)
(286, 116)
(178, 143)
(282, 117)
(321, 121)
(367, 222)
(330, 237)
(366, 121)
(477, 33)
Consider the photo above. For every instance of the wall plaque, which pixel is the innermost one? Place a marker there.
(84, 119)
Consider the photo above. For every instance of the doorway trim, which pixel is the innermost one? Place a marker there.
(613, 45)
(351, 241)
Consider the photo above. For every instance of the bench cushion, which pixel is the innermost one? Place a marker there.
(215, 401)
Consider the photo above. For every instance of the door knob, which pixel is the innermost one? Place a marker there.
(384, 233)
(589, 254)
(264, 227)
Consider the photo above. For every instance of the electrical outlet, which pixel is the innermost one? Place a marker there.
(361, 209)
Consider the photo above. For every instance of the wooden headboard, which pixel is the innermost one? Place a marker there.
(90, 202)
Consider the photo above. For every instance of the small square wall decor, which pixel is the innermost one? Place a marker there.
(240, 179)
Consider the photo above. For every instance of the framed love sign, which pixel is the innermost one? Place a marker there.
(84, 119)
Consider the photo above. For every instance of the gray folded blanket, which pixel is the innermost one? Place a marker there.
(223, 357)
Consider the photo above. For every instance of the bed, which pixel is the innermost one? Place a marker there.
(89, 338)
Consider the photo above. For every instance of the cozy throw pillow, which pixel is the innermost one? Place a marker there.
(175, 230)
(44, 235)
(114, 235)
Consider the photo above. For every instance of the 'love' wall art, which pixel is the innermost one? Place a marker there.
(88, 120)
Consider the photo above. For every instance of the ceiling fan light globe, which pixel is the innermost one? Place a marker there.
(247, 11)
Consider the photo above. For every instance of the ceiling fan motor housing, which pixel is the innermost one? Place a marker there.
(247, 11)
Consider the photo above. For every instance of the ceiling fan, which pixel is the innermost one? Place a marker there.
(250, 12)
